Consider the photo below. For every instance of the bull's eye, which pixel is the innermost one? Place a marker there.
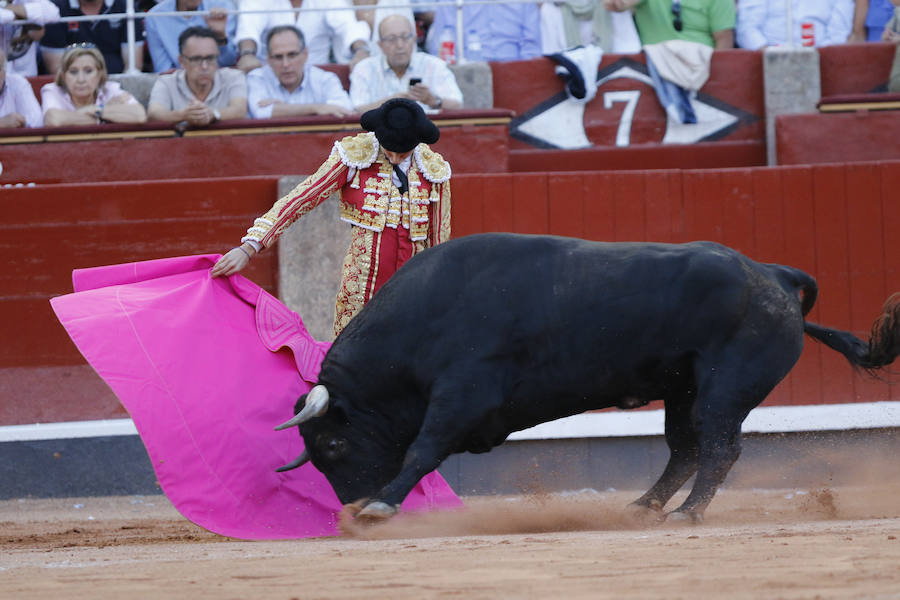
(335, 448)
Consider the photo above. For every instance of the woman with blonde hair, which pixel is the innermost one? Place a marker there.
(83, 95)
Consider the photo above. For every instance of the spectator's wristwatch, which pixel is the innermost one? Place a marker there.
(217, 116)
(439, 103)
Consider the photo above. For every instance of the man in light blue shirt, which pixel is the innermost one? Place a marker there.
(763, 23)
(162, 32)
(493, 32)
(288, 86)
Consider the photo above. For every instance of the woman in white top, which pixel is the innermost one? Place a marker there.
(82, 94)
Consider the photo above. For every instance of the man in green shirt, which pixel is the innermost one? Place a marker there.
(709, 22)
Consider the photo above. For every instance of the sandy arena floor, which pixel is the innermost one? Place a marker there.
(826, 543)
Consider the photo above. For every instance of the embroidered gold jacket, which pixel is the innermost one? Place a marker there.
(369, 199)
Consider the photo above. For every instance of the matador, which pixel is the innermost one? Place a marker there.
(394, 191)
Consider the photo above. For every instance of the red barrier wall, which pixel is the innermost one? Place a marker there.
(473, 141)
(855, 68)
(837, 137)
(835, 222)
(48, 231)
(637, 157)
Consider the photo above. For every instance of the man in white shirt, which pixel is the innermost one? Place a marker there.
(402, 72)
(20, 40)
(319, 27)
(18, 106)
(289, 86)
(814, 23)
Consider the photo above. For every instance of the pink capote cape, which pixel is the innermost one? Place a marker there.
(207, 367)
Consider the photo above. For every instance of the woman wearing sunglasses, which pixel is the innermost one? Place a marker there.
(83, 95)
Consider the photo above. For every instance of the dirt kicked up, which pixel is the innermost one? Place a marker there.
(824, 543)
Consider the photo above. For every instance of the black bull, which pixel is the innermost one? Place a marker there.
(493, 333)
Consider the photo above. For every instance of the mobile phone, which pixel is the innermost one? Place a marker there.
(414, 80)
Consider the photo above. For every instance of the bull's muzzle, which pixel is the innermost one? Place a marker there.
(316, 405)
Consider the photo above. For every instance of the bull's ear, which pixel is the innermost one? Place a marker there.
(338, 414)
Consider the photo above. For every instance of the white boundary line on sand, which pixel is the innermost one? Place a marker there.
(766, 419)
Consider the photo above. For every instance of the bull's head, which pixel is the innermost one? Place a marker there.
(349, 457)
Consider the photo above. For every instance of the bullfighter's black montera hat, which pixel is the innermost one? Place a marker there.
(400, 125)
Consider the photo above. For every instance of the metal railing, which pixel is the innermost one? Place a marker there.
(130, 16)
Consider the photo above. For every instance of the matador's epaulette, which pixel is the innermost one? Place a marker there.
(358, 151)
(431, 164)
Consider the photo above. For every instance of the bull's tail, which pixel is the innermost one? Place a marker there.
(883, 345)
(797, 281)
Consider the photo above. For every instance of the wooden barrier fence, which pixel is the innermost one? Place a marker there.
(834, 221)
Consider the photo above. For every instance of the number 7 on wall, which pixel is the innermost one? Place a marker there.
(630, 98)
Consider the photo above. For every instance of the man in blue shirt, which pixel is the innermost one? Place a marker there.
(288, 86)
(162, 32)
(110, 37)
(492, 32)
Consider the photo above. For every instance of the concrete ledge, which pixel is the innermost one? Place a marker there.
(119, 465)
(829, 445)
(636, 423)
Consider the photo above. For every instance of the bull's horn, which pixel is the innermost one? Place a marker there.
(302, 459)
(316, 404)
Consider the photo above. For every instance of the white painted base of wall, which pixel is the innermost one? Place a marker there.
(766, 419)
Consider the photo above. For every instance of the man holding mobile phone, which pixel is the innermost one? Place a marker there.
(403, 72)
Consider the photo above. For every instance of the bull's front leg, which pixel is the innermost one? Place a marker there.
(446, 423)
(423, 456)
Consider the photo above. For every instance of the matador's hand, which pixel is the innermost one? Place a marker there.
(233, 261)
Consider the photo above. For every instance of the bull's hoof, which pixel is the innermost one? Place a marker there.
(683, 517)
(376, 512)
(645, 514)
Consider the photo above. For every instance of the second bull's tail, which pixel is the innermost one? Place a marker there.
(883, 345)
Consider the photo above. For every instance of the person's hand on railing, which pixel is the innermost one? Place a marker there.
(12, 120)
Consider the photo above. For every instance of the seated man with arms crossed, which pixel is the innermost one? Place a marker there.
(289, 86)
(403, 72)
(199, 93)
(18, 106)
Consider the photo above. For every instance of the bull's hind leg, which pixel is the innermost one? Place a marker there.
(725, 396)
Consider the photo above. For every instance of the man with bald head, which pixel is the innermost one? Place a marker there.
(403, 72)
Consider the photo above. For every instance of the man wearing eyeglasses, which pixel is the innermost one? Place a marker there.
(199, 93)
(326, 31)
(402, 72)
(289, 86)
(708, 22)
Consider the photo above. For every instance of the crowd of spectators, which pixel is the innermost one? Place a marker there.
(266, 64)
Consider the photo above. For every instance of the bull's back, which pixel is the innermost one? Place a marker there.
(487, 293)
